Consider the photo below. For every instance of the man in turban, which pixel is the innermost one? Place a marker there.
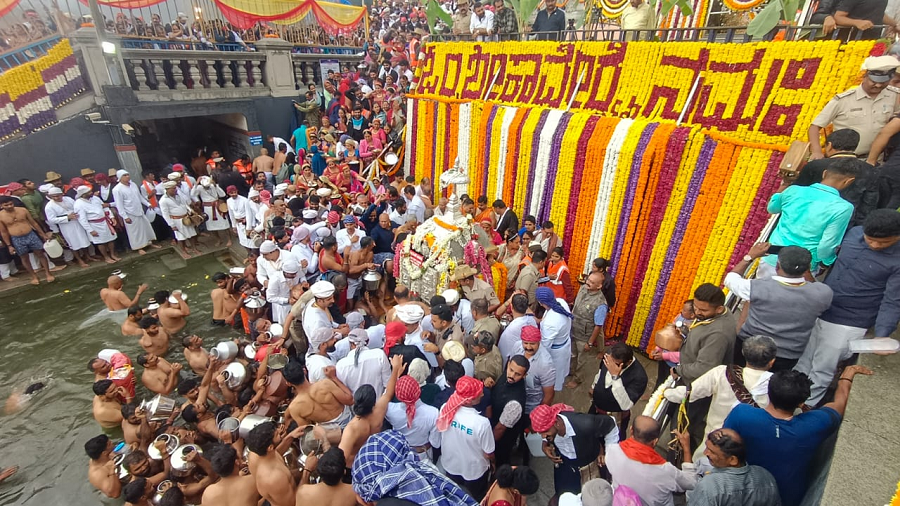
(467, 440)
(321, 343)
(575, 442)
(411, 316)
(414, 419)
(130, 202)
(556, 327)
(541, 378)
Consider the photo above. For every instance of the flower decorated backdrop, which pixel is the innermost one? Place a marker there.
(673, 206)
(31, 92)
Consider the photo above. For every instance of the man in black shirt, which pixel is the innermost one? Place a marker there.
(358, 124)
(864, 193)
(619, 384)
(508, 407)
(863, 15)
(551, 19)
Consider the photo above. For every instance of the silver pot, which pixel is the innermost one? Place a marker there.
(158, 408)
(250, 422)
(160, 490)
(172, 443)
(225, 350)
(250, 351)
(235, 374)
(180, 467)
(123, 474)
(371, 279)
(232, 425)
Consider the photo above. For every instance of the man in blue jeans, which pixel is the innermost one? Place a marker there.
(866, 285)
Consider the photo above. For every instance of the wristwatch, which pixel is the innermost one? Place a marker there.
(748, 258)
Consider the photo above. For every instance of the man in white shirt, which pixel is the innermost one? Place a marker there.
(278, 141)
(349, 236)
(321, 343)
(399, 212)
(467, 440)
(363, 366)
(635, 464)
(278, 292)
(541, 378)
(729, 385)
(512, 334)
(131, 202)
(271, 259)
(414, 419)
(411, 315)
(316, 315)
(639, 15)
(462, 309)
(482, 23)
(415, 206)
(305, 252)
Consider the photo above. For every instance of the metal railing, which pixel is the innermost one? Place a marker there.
(720, 34)
(188, 45)
(23, 54)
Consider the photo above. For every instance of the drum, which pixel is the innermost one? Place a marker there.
(223, 207)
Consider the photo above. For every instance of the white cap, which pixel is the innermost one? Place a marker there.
(83, 190)
(152, 305)
(54, 190)
(276, 329)
(173, 176)
(310, 214)
(453, 350)
(122, 173)
(322, 289)
(252, 193)
(45, 188)
(267, 247)
(410, 313)
(323, 192)
(291, 266)
(451, 296)
(170, 184)
(205, 180)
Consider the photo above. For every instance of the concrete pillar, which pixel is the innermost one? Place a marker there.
(95, 63)
(278, 72)
(128, 157)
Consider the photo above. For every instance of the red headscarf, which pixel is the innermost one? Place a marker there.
(467, 388)
(408, 392)
(543, 417)
(393, 334)
(231, 188)
(13, 187)
(531, 334)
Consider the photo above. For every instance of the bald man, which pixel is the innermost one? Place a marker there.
(635, 464)
(113, 296)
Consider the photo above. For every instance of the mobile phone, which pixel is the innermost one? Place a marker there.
(773, 250)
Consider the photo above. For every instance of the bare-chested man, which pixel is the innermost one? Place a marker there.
(107, 407)
(113, 296)
(331, 488)
(235, 488)
(195, 355)
(23, 236)
(319, 402)
(263, 163)
(224, 299)
(172, 310)
(368, 413)
(135, 427)
(401, 295)
(274, 480)
(360, 262)
(154, 339)
(131, 325)
(160, 376)
(102, 468)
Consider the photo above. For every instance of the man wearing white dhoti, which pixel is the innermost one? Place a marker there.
(131, 204)
(556, 329)
(183, 188)
(96, 222)
(278, 291)
(209, 193)
(60, 211)
(239, 210)
(174, 208)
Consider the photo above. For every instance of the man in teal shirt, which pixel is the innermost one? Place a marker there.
(814, 217)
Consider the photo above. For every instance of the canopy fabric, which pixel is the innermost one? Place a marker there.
(332, 17)
(6, 6)
(125, 4)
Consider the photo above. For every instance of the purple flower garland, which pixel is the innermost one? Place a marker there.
(706, 154)
(488, 139)
(553, 167)
(630, 192)
(535, 141)
(577, 176)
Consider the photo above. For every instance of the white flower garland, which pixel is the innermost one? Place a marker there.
(465, 125)
(509, 114)
(542, 165)
(607, 182)
(410, 137)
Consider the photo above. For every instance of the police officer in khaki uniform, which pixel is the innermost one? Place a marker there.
(589, 316)
(866, 108)
(530, 274)
(474, 288)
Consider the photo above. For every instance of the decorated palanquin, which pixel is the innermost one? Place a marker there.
(428, 258)
(663, 162)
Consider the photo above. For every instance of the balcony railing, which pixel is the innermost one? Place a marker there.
(23, 54)
(191, 45)
(720, 34)
(187, 70)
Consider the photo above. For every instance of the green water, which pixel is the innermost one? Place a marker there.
(40, 337)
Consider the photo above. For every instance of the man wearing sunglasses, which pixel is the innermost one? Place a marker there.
(866, 108)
